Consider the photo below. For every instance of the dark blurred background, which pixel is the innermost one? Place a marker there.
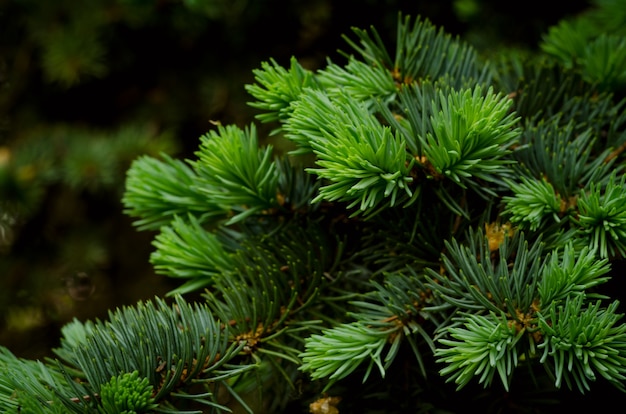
(88, 86)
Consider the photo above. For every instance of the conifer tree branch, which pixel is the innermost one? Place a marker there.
(234, 172)
(436, 216)
(277, 88)
(156, 190)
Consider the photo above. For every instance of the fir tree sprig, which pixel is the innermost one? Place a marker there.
(473, 280)
(600, 112)
(412, 113)
(540, 87)
(126, 394)
(566, 40)
(36, 387)
(276, 88)
(205, 256)
(557, 164)
(472, 132)
(602, 216)
(571, 272)
(362, 81)
(443, 127)
(598, 55)
(605, 62)
(266, 298)
(418, 53)
(157, 190)
(391, 316)
(364, 163)
(337, 352)
(563, 154)
(534, 201)
(484, 346)
(235, 172)
(583, 342)
(172, 346)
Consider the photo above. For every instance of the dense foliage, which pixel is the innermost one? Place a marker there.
(440, 229)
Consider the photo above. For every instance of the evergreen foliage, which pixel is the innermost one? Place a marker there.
(126, 394)
(441, 236)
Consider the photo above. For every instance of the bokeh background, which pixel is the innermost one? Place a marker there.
(88, 86)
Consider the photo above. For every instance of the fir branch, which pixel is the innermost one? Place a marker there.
(405, 297)
(296, 188)
(365, 164)
(265, 299)
(572, 272)
(361, 81)
(599, 56)
(276, 88)
(371, 48)
(611, 122)
(430, 146)
(604, 62)
(514, 300)
(602, 216)
(582, 343)
(484, 346)
(477, 281)
(272, 279)
(471, 135)
(533, 202)
(257, 309)
(313, 114)
(157, 190)
(296, 256)
(235, 172)
(563, 155)
(423, 51)
(427, 52)
(599, 112)
(385, 319)
(412, 117)
(337, 352)
(127, 393)
(509, 67)
(542, 87)
(567, 41)
(171, 346)
(185, 250)
(32, 386)
(252, 307)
